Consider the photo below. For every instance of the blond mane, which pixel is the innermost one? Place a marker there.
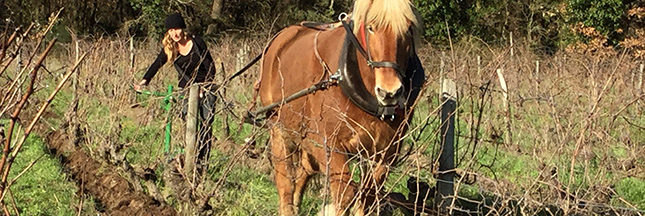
(396, 15)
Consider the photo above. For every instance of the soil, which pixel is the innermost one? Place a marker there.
(112, 191)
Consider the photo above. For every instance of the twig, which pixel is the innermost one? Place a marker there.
(18, 146)
(14, 54)
(586, 126)
(613, 119)
(14, 116)
(8, 43)
(633, 124)
(13, 201)
(4, 208)
(80, 203)
(42, 37)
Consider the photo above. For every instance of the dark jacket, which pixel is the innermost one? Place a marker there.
(197, 66)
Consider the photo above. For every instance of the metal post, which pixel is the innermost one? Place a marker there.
(191, 130)
(167, 104)
(445, 182)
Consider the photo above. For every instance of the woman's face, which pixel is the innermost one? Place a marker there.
(176, 34)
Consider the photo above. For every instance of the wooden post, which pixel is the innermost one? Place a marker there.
(537, 70)
(536, 77)
(445, 182)
(507, 109)
(241, 59)
(191, 131)
(132, 54)
(75, 76)
(222, 92)
(442, 68)
(512, 50)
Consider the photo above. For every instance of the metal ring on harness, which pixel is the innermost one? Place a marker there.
(342, 16)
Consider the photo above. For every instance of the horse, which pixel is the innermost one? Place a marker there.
(364, 113)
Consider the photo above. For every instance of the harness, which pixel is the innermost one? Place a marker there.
(348, 77)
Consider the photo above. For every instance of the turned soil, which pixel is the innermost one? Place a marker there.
(112, 191)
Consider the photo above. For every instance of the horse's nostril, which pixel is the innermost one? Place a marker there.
(380, 92)
(398, 92)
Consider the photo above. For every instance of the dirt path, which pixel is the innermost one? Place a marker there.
(103, 183)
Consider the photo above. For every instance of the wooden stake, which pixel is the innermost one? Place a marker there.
(131, 53)
(222, 92)
(537, 70)
(507, 109)
(191, 131)
(442, 68)
(512, 50)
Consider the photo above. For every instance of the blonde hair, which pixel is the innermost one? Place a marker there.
(170, 46)
(397, 15)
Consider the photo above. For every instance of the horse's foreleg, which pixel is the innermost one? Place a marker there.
(282, 157)
(342, 188)
(374, 184)
(304, 173)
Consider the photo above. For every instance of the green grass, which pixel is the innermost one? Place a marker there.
(633, 190)
(44, 189)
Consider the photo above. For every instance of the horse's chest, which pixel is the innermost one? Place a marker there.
(371, 137)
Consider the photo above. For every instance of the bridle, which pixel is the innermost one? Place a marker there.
(365, 52)
(350, 80)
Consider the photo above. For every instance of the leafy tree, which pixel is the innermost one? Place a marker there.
(605, 16)
(151, 16)
(442, 16)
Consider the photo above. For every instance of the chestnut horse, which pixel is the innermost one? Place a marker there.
(320, 132)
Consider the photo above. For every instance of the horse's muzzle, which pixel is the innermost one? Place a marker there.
(389, 98)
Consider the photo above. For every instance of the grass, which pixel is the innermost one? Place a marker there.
(633, 190)
(44, 189)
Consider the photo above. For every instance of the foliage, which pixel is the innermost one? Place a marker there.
(605, 16)
(151, 15)
(443, 16)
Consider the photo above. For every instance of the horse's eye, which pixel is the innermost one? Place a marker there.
(370, 29)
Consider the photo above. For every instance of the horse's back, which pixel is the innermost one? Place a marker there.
(290, 64)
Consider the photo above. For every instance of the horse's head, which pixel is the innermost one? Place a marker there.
(387, 31)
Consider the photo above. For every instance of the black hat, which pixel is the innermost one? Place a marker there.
(174, 21)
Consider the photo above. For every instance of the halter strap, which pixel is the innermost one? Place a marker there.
(365, 51)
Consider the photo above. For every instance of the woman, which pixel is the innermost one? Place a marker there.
(194, 64)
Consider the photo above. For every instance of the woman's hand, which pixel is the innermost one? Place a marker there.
(139, 86)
